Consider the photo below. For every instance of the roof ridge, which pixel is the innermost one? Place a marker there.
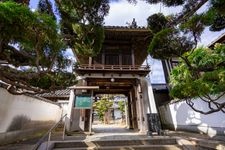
(125, 27)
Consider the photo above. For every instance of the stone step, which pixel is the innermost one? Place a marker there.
(102, 143)
(210, 145)
(133, 147)
(157, 142)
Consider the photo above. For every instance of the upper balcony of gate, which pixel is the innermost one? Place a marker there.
(123, 51)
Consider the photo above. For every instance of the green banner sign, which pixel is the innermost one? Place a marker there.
(83, 102)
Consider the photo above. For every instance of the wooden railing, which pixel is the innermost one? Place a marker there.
(112, 67)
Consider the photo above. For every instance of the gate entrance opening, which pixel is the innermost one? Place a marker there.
(110, 113)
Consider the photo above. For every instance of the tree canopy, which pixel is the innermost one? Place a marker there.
(32, 56)
(204, 80)
(181, 32)
(33, 43)
(102, 106)
(82, 24)
(200, 72)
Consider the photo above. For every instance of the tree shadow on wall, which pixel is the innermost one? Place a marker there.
(191, 121)
(18, 123)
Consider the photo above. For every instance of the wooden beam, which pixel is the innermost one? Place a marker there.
(84, 87)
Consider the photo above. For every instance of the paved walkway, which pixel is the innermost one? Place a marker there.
(109, 132)
(22, 145)
(113, 131)
(192, 135)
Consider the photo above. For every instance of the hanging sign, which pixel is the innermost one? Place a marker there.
(83, 102)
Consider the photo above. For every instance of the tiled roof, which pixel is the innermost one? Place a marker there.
(159, 86)
(4, 86)
(220, 39)
(57, 93)
(124, 27)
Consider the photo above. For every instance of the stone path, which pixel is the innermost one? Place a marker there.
(113, 131)
(110, 132)
(22, 145)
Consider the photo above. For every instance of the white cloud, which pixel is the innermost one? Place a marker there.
(122, 12)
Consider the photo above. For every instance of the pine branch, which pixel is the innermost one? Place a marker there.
(187, 14)
(212, 110)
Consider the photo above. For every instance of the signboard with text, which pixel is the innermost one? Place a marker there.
(83, 102)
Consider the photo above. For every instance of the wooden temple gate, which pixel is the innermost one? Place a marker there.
(117, 69)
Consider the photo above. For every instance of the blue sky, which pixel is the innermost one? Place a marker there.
(122, 12)
(33, 4)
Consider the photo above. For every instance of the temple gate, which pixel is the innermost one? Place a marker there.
(117, 69)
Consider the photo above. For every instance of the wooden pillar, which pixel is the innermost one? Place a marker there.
(120, 59)
(103, 58)
(140, 114)
(126, 112)
(87, 111)
(138, 109)
(90, 61)
(134, 109)
(130, 111)
(132, 57)
(91, 111)
(86, 120)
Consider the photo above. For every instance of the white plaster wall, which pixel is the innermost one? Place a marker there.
(181, 116)
(147, 101)
(148, 95)
(32, 108)
(64, 105)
